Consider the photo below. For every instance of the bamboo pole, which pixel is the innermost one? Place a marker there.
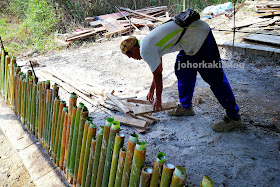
(19, 94)
(52, 115)
(58, 143)
(90, 163)
(16, 90)
(179, 177)
(2, 72)
(121, 161)
(91, 133)
(84, 116)
(157, 169)
(29, 113)
(137, 164)
(27, 93)
(7, 62)
(42, 107)
(119, 141)
(145, 178)
(206, 182)
(96, 157)
(54, 122)
(47, 102)
(38, 103)
(23, 106)
(102, 158)
(34, 98)
(82, 154)
(12, 83)
(63, 141)
(49, 118)
(167, 173)
(133, 139)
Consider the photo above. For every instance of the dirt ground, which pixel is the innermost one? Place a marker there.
(247, 156)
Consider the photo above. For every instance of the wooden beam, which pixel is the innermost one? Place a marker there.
(139, 101)
(263, 2)
(130, 121)
(264, 38)
(141, 14)
(267, 14)
(149, 108)
(124, 108)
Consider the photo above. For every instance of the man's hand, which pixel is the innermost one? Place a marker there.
(150, 96)
(157, 104)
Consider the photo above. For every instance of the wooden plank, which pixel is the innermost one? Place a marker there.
(81, 36)
(124, 108)
(267, 9)
(112, 25)
(266, 14)
(249, 21)
(139, 101)
(149, 108)
(130, 121)
(263, 2)
(151, 117)
(141, 14)
(264, 38)
(108, 35)
(116, 15)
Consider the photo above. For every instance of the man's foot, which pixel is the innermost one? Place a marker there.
(226, 124)
(181, 111)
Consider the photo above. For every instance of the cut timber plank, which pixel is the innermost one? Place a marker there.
(108, 35)
(130, 121)
(249, 21)
(124, 108)
(83, 35)
(139, 101)
(149, 108)
(263, 2)
(267, 14)
(264, 38)
(141, 14)
(112, 25)
(116, 15)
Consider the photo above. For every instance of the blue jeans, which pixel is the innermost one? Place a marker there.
(186, 69)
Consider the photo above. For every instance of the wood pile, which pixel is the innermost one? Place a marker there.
(121, 22)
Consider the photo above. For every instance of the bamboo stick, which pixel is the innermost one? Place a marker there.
(167, 173)
(2, 72)
(119, 141)
(96, 157)
(115, 128)
(42, 112)
(34, 111)
(58, 143)
(49, 118)
(19, 94)
(63, 141)
(38, 103)
(52, 115)
(145, 178)
(7, 62)
(47, 101)
(23, 106)
(29, 113)
(157, 169)
(54, 122)
(133, 139)
(16, 90)
(206, 182)
(137, 164)
(102, 158)
(27, 93)
(179, 177)
(118, 179)
(12, 83)
(90, 163)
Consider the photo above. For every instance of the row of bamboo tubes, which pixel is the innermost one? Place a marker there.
(88, 157)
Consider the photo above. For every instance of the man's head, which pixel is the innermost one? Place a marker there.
(131, 48)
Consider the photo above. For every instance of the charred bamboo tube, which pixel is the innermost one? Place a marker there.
(157, 169)
(206, 182)
(34, 98)
(96, 157)
(167, 173)
(58, 142)
(119, 141)
(82, 154)
(7, 63)
(133, 139)
(54, 122)
(72, 104)
(118, 179)
(84, 116)
(146, 176)
(38, 103)
(137, 164)
(102, 158)
(74, 143)
(91, 133)
(90, 163)
(179, 177)
(63, 141)
(74, 111)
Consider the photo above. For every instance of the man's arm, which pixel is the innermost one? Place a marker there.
(157, 81)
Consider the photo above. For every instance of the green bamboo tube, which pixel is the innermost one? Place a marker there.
(42, 111)
(157, 169)
(2, 72)
(45, 113)
(46, 120)
(145, 178)
(54, 122)
(49, 118)
(90, 163)
(57, 133)
(7, 63)
(72, 104)
(82, 154)
(167, 173)
(115, 128)
(74, 144)
(103, 152)
(28, 75)
(16, 90)
(74, 111)
(206, 182)
(121, 161)
(24, 98)
(52, 115)
(34, 98)
(12, 82)
(97, 153)
(84, 116)
(119, 141)
(19, 95)
(91, 133)
(137, 164)
(63, 141)
(38, 102)
(179, 177)
(30, 102)
(133, 139)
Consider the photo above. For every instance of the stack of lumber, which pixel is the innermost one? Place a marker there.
(265, 8)
(121, 22)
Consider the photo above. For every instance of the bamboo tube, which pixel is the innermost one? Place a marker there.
(119, 141)
(115, 128)
(72, 104)
(84, 116)
(28, 75)
(12, 82)
(74, 111)
(90, 163)
(74, 143)
(104, 146)
(137, 164)
(24, 98)
(38, 103)
(167, 173)
(84, 164)
(63, 141)
(118, 179)
(96, 157)
(157, 169)
(34, 98)
(179, 177)
(145, 178)
(54, 122)
(7, 63)
(47, 101)
(133, 139)
(49, 118)
(17, 89)
(52, 115)
(82, 154)
(42, 111)
(2, 72)
(206, 182)
(60, 127)
(19, 94)
(29, 114)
